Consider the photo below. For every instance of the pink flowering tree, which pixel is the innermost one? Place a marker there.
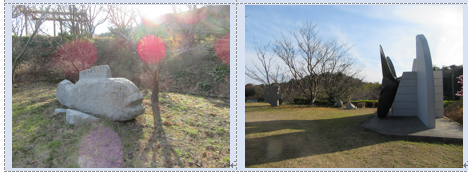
(460, 93)
(152, 51)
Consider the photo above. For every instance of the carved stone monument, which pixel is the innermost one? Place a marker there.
(419, 92)
(96, 93)
(350, 106)
(272, 95)
(339, 104)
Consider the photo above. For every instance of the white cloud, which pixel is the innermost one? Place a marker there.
(444, 30)
(442, 25)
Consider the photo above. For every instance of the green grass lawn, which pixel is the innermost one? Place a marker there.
(308, 137)
(196, 133)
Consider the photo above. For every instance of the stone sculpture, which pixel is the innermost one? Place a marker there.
(350, 106)
(98, 94)
(272, 95)
(339, 103)
(419, 92)
(60, 111)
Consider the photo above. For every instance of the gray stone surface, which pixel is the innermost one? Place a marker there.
(425, 82)
(339, 103)
(76, 117)
(96, 72)
(63, 91)
(59, 111)
(115, 98)
(252, 100)
(350, 106)
(272, 95)
(411, 127)
(420, 92)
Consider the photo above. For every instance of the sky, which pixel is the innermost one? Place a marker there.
(365, 27)
(149, 11)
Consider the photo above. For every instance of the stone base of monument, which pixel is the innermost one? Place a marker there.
(76, 117)
(413, 129)
(60, 111)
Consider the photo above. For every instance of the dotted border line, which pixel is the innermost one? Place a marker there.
(266, 3)
(4, 88)
(236, 86)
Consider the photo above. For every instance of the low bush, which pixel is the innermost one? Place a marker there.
(301, 101)
(368, 103)
(361, 104)
(455, 111)
(448, 102)
(321, 103)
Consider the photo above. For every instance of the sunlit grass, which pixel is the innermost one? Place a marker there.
(42, 139)
(332, 138)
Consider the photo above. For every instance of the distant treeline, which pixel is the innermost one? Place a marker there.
(367, 92)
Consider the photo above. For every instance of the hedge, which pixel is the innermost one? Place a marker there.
(305, 101)
(301, 101)
(369, 103)
(448, 102)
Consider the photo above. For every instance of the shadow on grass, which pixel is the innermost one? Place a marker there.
(159, 141)
(274, 141)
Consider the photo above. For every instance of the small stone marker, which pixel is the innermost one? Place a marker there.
(252, 100)
(350, 106)
(76, 117)
(59, 111)
(272, 95)
(339, 103)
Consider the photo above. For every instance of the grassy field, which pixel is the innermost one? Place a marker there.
(196, 134)
(308, 137)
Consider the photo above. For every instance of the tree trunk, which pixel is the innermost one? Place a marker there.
(155, 102)
(311, 100)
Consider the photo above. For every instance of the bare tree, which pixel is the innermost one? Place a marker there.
(308, 56)
(20, 14)
(72, 17)
(93, 18)
(123, 18)
(268, 72)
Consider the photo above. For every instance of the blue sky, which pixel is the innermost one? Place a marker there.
(365, 27)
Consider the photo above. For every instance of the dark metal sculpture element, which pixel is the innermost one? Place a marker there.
(392, 69)
(389, 86)
(272, 95)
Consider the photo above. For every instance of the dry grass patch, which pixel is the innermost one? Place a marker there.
(286, 137)
(196, 133)
(455, 111)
